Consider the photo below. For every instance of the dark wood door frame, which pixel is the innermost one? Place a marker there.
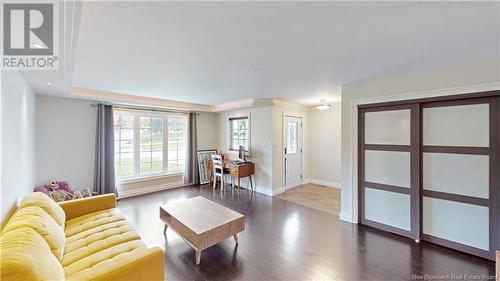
(413, 191)
(416, 149)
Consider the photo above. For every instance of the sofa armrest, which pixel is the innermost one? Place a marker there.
(147, 264)
(79, 207)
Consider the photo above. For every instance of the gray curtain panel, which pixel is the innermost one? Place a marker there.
(104, 174)
(191, 171)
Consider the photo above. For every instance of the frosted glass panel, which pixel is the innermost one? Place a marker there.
(464, 125)
(457, 173)
(388, 167)
(389, 208)
(388, 127)
(458, 222)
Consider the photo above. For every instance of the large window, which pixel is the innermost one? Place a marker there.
(149, 144)
(239, 133)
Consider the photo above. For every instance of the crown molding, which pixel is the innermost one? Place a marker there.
(117, 98)
(138, 100)
(241, 104)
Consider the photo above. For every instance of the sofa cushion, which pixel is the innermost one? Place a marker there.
(92, 220)
(48, 205)
(105, 256)
(90, 234)
(37, 219)
(26, 256)
(88, 237)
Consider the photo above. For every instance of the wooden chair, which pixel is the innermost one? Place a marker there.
(218, 170)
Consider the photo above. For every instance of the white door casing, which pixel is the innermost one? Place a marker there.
(292, 132)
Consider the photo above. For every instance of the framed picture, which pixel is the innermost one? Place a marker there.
(204, 158)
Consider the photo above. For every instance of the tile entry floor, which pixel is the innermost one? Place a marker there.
(314, 196)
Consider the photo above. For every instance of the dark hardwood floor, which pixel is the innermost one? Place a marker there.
(286, 241)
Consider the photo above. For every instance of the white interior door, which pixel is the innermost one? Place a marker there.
(293, 151)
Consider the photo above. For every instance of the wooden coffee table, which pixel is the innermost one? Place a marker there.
(201, 222)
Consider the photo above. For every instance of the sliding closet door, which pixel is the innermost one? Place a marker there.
(388, 174)
(458, 167)
(430, 169)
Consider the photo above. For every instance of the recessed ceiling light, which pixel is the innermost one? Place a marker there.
(48, 83)
(36, 46)
(323, 105)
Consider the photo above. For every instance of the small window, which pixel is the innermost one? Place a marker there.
(239, 133)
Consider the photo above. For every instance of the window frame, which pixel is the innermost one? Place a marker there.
(185, 117)
(238, 116)
(136, 176)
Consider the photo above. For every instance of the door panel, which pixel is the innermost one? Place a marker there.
(461, 125)
(387, 207)
(458, 222)
(293, 151)
(386, 159)
(388, 127)
(388, 167)
(456, 169)
(457, 173)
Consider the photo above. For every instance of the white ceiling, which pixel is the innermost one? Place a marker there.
(69, 20)
(218, 52)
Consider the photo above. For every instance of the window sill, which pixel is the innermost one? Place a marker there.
(150, 177)
(232, 152)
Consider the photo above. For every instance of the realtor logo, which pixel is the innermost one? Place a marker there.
(28, 36)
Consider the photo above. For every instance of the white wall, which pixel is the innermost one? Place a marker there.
(266, 142)
(325, 146)
(207, 129)
(399, 87)
(18, 146)
(66, 141)
(261, 140)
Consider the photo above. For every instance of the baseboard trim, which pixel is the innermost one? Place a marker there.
(267, 192)
(149, 189)
(278, 190)
(323, 183)
(344, 216)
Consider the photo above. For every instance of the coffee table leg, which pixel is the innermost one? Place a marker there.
(236, 238)
(165, 229)
(198, 257)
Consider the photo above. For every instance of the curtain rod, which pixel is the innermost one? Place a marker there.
(147, 108)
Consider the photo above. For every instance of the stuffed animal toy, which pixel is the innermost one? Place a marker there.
(59, 195)
(65, 186)
(61, 191)
(43, 189)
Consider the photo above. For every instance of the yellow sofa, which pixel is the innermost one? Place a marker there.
(83, 239)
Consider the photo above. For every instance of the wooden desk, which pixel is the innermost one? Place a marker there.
(239, 171)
